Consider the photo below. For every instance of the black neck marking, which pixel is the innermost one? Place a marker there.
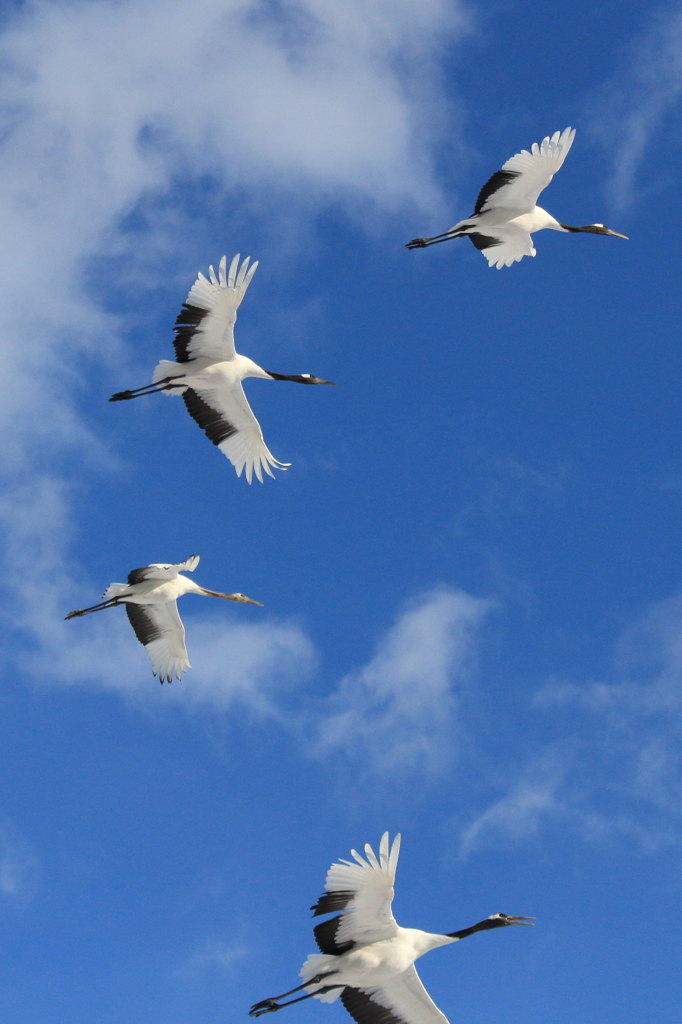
(489, 922)
(298, 378)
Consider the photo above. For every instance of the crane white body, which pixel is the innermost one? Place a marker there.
(208, 371)
(150, 598)
(506, 213)
(367, 959)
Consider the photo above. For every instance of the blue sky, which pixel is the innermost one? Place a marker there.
(470, 573)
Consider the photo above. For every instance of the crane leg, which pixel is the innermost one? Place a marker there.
(269, 1006)
(111, 603)
(147, 389)
(421, 243)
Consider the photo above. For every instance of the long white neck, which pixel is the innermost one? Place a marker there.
(423, 942)
(250, 369)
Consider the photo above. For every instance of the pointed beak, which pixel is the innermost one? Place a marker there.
(318, 380)
(521, 920)
(616, 234)
(250, 600)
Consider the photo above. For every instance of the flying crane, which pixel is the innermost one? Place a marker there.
(365, 957)
(208, 371)
(506, 214)
(150, 597)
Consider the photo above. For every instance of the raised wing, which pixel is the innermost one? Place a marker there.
(162, 571)
(401, 1000)
(226, 418)
(364, 892)
(159, 628)
(522, 178)
(205, 325)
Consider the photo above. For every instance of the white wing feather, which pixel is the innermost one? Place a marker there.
(161, 571)
(220, 296)
(406, 996)
(535, 169)
(367, 917)
(514, 243)
(245, 448)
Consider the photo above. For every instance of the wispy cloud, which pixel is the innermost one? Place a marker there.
(19, 866)
(638, 103)
(398, 713)
(214, 955)
(617, 771)
(523, 810)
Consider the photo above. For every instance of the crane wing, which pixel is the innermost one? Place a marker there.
(226, 418)
(401, 1000)
(162, 571)
(363, 890)
(205, 325)
(509, 245)
(522, 178)
(159, 629)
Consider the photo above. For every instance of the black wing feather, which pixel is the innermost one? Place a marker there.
(213, 423)
(498, 180)
(330, 901)
(483, 241)
(325, 937)
(364, 1010)
(186, 324)
(138, 575)
(145, 628)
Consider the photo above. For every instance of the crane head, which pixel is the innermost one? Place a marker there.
(601, 229)
(502, 920)
(308, 378)
(593, 229)
(298, 378)
(243, 599)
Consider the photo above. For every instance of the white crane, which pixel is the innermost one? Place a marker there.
(150, 597)
(366, 958)
(208, 371)
(506, 214)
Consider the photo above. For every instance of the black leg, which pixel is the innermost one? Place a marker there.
(147, 389)
(95, 608)
(421, 243)
(270, 1005)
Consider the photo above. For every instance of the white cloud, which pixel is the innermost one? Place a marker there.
(638, 104)
(398, 713)
(18, 864)
(523, 810)
(214, 955)
(112, 114)
(617, 772)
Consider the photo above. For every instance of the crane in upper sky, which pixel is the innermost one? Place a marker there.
(208, 371)
(506, 214)
(366, 958)
(150, 597)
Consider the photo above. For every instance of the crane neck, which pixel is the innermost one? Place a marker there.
(463, 933)
(216, 593)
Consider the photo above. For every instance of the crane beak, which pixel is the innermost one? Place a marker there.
(521, 920)
(318, 380)
(616, 234)
(250, 600)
